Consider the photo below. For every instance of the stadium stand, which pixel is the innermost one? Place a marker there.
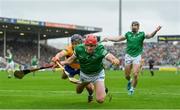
(163, 53)
(25, 38)
(24, 51)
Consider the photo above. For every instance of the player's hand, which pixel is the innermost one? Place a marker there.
(158, 28)
(54, 65)
(62, 63)
(116, 62)
(55, 59)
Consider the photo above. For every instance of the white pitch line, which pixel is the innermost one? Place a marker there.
(74, 92)
(38, 91)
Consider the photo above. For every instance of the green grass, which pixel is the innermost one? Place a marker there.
(47, 91)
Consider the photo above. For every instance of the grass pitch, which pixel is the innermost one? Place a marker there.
(46, 90)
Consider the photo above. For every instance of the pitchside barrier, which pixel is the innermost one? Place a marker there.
(167, 69)
(162, 68)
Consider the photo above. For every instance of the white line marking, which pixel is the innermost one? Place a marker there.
(74, 92)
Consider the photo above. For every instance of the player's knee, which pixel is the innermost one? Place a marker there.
(100, 99)
(79, 91)
(127, 72)
(90, 87)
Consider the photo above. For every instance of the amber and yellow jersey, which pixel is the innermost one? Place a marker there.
(69, 52)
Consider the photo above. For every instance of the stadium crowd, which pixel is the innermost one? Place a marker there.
(24, 51)
(162, 53)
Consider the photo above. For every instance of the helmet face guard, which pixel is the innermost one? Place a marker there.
(76, 38)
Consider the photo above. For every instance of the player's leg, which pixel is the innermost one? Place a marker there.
(128, 71)
(136, 67)
(35, 66)
(90, 89)
(100, 87)
(128, 67)
(10, 69)
(80, 87)
(151, 70)
(7, 69)
(127, 75)
(100, 91)
(86, 83)
(135, 74)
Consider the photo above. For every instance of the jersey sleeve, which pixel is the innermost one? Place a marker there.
(143, 34)
(68, 50)
(104, 52)
(126, 35)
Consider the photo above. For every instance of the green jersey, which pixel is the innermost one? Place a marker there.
(10, 58)
(34, 61)
(90, 63)
(134, 43)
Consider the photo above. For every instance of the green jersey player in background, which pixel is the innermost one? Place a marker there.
(90, 56)
(34, 63)
(177, 66)
(10, 63)
(134, 50)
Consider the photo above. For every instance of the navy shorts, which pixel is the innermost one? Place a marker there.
(72, 72)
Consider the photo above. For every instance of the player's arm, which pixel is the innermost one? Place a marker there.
(59, 55)
(151, 35)
(114, 39)
(8, 57)
(69, 60)
(112, 59)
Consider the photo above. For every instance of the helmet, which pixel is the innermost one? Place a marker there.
(76, 38)
(91, 39)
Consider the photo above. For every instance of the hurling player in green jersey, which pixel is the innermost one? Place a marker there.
(34, 63)
(10, 63)
(177, 66)
(90, 55)
(134, 50)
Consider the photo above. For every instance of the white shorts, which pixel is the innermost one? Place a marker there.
(34, 66)
(92, 78)
(10, 66)
(132, 60)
